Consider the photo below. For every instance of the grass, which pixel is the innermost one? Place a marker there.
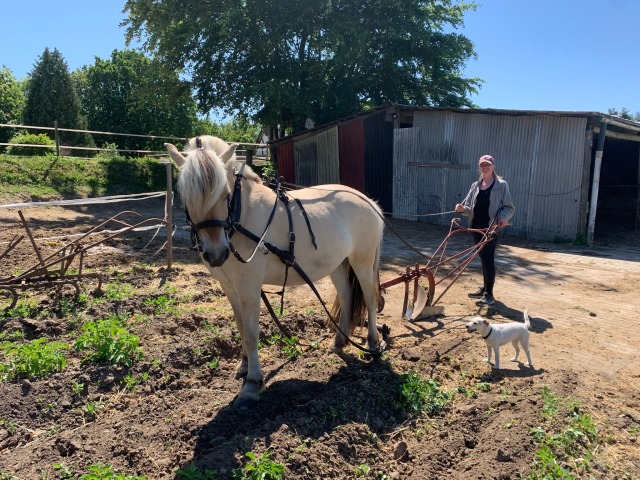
(50, 176)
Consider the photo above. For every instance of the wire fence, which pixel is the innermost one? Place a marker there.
(252, 153)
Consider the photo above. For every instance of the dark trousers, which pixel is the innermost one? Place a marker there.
(487, 257)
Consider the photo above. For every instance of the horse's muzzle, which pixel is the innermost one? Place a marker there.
(216, 260)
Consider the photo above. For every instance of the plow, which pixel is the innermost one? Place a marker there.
(64, 266)
(440, 270)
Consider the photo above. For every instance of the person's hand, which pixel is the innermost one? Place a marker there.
(459, 208)
(503, 223)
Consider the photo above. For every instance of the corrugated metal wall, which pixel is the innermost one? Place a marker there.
(541, 156)
(306, 153)
(328, 156)
(378, 160)
(351, 139)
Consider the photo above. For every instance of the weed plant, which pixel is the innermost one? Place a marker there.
(105, 472)
(566, 440)
(191, 472)
(259, 468)
(109, 342)
(34, 359)
(415, 395)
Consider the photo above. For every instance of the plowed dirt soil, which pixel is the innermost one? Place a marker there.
(322, 414)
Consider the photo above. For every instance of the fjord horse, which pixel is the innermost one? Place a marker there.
(338, 232)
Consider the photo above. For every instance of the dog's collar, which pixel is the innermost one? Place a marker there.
(487, 335)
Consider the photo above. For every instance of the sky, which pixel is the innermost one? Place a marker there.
(569, 55)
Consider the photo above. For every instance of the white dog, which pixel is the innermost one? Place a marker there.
(496, 335)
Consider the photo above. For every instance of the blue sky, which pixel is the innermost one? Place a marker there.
(574, 55)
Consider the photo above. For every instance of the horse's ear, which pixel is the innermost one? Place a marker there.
(175, 155)
(228, 153)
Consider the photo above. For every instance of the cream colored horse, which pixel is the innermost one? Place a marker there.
(347, 226)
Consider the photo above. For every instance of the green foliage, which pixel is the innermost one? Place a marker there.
(415, 395)
(239, 129)
(12, 102)
(191, 472)
(64, 472)
(34, 359)
(214, 363)
(52, 176)
(259, 468)
(51, 96)
(625, 113)
(104, 472)
(566, 439)
(24, 309)
(130, 93)
(160, 304)
(92, 409)
(108, 341)
(31, 139)
(311, 60)
(288, 345)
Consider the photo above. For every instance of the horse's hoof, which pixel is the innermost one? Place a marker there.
(245, 404)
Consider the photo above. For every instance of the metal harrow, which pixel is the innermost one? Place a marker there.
(54, 271)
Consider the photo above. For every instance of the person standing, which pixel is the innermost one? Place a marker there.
(488, 202)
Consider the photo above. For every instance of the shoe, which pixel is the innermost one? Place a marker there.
(487, 299)
(477, 294)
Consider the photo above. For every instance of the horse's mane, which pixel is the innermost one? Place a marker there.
(203, 177)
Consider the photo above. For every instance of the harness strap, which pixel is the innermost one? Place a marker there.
(306, 219)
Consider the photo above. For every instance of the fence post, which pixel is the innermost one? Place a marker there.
(169, 213)
(57, 135)
(249, 157)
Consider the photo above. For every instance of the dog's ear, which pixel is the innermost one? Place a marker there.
(485, 321)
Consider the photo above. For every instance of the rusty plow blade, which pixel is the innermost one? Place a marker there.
(420, 299)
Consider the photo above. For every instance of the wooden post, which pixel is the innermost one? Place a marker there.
(595, 184)
(249, 157)
(168, 213)
(57, 135)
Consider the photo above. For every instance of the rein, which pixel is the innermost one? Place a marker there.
(232, 224)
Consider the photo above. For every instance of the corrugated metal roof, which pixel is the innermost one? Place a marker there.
(593, 116)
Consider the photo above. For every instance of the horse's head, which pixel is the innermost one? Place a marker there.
(205, 183)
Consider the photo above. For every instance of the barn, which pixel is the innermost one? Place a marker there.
(572, 175)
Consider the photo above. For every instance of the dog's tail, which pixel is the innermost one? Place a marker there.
(526, 319)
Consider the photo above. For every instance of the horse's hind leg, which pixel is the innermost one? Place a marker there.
(340, 279)
(369, 287)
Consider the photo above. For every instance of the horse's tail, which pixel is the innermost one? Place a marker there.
(358, 305)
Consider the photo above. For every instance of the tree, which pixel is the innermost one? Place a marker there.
(133, 94)
(51, 96)
(11, 103)
(288, 61)
(238, 129)
(625, 113)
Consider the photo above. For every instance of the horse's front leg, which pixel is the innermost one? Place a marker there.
(232, 295)
(254, 380)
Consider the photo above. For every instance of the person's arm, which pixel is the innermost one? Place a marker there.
(508, 209)
(465, 207)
